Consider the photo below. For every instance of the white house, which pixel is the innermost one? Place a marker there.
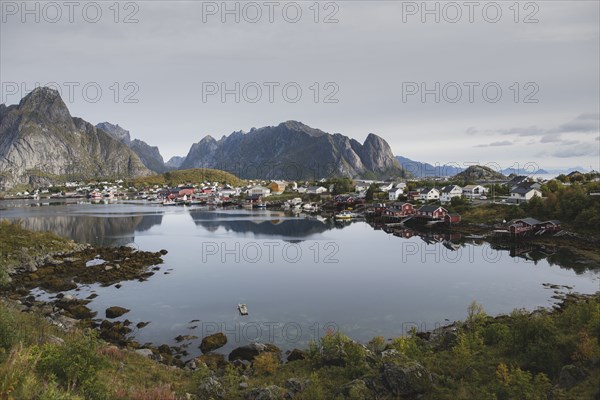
(429, 194)
(260, 191)
(521, 194)
(301, 189)
(315, 190)
(361, 186)
(450, 191)
(394, 193)
(473, 191)
(401, 185)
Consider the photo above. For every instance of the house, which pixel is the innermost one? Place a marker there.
(394, 193)
(432, 211)
(522, 226)
(315, 190)
(361, 186)
(259, 190)
(186, 191)
(401, 185)
(521, 194)
(400, 209)
(450, 191)
(549, 226)
(473, 191)
(516, 181)
(301, 189)
(413, 195)
(277, 187)
(452, 218)
(429, 194)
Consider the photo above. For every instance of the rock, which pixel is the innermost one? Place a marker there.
(115, 312)
(211, 387)
(570, 375)
(356, 389)
(296, 355)
(213, 361)
(181, 338)
(405, 380)
(243, 385)
(30, 266)
(213, 342)
(296, 385)
(266, 393)
(144, 352)
(140, 325)
(108, 268)
(249, 351)
(54, 339)
(163, 252)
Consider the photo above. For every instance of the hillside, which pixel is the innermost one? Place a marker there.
(194, 175)
(479, 173)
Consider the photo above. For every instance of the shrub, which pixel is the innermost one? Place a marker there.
(265, 363)
(75, 365)
(8, 330)
(496, 334)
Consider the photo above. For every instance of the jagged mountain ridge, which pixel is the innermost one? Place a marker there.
(40, 141)
(292, 150)
(150, 155)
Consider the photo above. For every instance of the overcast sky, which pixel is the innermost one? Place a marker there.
(363, 71)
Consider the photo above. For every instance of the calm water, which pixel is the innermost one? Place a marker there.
(298, 276)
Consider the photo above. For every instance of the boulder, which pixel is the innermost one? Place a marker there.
(250, 351)
(356, 389)
(144, 352)
(570, 375)
(272, 392)
(406, 379)
(296, 355)
(210, 387)
(296, 385)
(213, 342)
(115, 312)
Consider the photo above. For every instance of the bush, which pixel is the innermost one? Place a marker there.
(265, 363)
(8, 330)
(496, 334)
(75, 365)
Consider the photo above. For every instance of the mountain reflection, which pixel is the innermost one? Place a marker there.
(270, 224)
(98, 231)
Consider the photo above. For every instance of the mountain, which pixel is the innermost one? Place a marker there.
(175, 162)
(479, 173)
(424, 170)
(41, 142)
(150, 155)
(294, 151)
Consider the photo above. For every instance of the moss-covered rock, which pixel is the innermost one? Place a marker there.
(213, 342)
(116, 311)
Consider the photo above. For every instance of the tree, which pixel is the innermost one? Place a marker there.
(371, 191)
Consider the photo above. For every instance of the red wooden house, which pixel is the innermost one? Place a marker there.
(432, 211)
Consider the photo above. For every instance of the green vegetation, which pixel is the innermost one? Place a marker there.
(523, 355)
(192, 176)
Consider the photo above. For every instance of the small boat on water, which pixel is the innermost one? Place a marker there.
(260, 205)
(243, 309)
(169, 203)
(345, 215)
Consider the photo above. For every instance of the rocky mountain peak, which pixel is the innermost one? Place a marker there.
(115, 131)
(46, 103)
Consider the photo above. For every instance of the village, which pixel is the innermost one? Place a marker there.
(390, 204)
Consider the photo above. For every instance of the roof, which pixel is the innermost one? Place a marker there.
(552, 221)
(427, 190)
(316, 187)
(528, 221)
(470, 187)
(449, 188)
(522, 189)
(518, 179)
(430, 208)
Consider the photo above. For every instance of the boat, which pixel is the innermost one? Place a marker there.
(242, 309)
(345, 215)
(169, 203)
(260, 205)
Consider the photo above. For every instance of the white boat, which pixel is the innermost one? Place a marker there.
(169, 203)
(243, 309)
(345, 215)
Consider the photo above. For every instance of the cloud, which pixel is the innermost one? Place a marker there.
(584, 123)
(529, 131)
(551, 138)
(471, 130)
(577, 150)
(496, 144)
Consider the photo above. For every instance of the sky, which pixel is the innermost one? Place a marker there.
(499, 83)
